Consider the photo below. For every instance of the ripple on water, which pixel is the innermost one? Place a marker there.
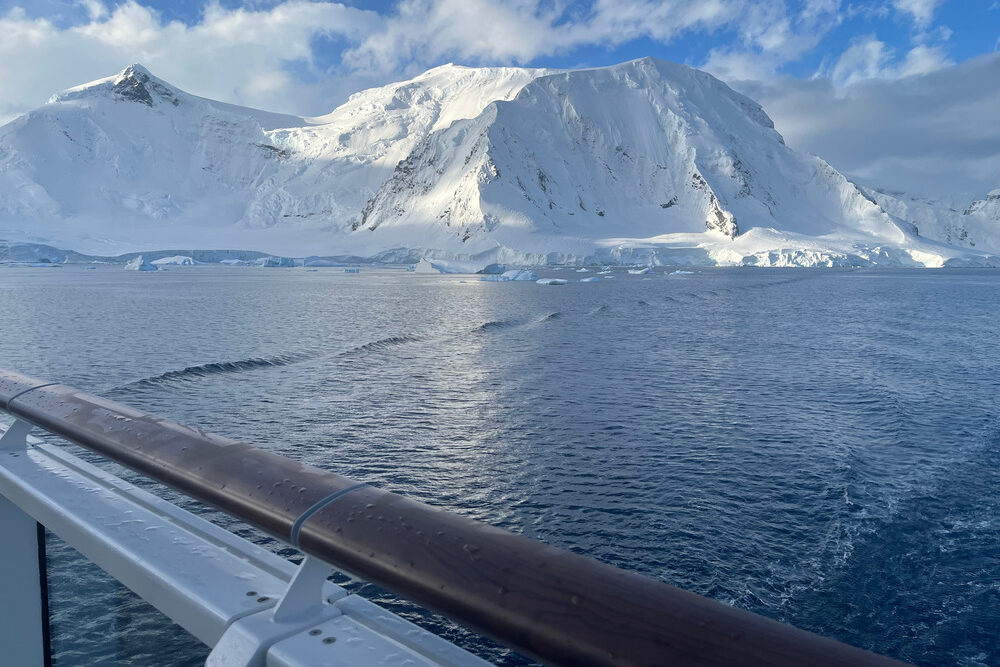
(816, 446)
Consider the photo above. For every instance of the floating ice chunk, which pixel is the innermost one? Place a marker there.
(139, 264)
(456, 266)
(513, 274)
(176, 260)
(640, 272)
(447, 266)
(604, 272)
(551, 281)
(678, 272)
(591, 279)
(583, 270)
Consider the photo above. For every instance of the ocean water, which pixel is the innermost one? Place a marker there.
(818, 446)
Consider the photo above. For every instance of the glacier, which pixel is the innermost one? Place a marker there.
(644, 163)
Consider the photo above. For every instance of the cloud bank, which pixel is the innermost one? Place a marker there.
(934, 133)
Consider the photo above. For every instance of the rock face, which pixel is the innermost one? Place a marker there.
(988, 208)
(646, 161)
(136, 84)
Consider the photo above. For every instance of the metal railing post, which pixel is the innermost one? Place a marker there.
(24, 609)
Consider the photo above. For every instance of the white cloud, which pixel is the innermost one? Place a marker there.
(424, 32)
(864, 59)
(95, 9)
(869, 58)
(236, 55)
(773, 37)
(923, 59)
(740, 65)
(921, 11)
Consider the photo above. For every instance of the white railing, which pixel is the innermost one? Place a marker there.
(251, 605)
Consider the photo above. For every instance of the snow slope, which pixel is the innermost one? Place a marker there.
(647, 162)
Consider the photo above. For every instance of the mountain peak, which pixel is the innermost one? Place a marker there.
(135, 69)
(136, 84)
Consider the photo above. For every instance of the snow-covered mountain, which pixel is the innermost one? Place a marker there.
(976, 226)
(645, 161)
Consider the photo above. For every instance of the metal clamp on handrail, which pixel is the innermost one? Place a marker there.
(558, 607)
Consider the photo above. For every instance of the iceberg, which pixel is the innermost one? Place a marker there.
(139, 264)
(591, 279)
(271, 261)
(679, 272)
(508, 276)
(455, 266)
(551, 281)
(640, 272)
(423, 266)
(176, 260)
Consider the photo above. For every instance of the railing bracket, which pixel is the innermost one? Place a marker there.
(245, 643)
(15, 438)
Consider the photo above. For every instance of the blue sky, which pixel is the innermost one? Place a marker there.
(809, 62)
